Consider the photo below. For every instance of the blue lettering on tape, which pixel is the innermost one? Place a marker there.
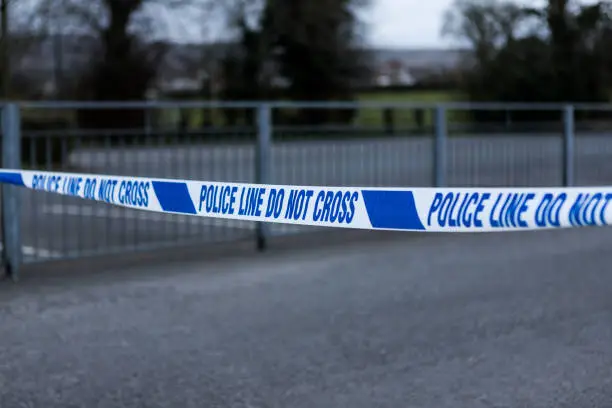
(392, 209)
(251, 200)
(218, 199)
(106, 192)
(37, 182)
(134, 193)
(46, 183)
(548, 211)
(276, 200)
(89, 190)
(336, 207)
(508, 210)
(174, 197)
(297, 204)
(72, 185)
(589, 209)
(457, 209)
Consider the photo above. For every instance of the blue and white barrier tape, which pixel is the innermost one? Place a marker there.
(407, 209)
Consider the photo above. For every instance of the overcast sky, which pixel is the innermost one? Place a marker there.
(390, 23)
(413, 23)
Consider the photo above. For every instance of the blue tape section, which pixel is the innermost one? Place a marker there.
(12, 178)
(174, 197)
(392, 210)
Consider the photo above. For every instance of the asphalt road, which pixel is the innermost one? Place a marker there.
(452, 321)
(59, 226)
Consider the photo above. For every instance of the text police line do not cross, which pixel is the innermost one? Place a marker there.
(110, 190)
(289, 204)
(418, 209)
(510, 210)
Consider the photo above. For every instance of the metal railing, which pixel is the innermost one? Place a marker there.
(359, 144)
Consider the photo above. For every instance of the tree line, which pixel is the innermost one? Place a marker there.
(560, 52)
(557, 53)
(314, 45)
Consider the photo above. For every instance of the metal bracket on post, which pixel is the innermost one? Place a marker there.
(568, 146)
(439, 170)
(262, 163)
(11, 208)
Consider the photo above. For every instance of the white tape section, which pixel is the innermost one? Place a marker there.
(407, 209)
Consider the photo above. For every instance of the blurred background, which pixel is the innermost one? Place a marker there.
(315, 50)
(368, 93)
(403, 93)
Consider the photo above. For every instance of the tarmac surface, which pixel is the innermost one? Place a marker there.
(420, 320)
(57, 227)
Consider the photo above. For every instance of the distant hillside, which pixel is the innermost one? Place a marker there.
(42, 54)
(421, 58)
(42, 59)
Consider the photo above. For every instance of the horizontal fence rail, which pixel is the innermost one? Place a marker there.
(342, 144)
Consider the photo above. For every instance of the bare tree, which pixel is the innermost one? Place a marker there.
(4, 52)
(116, 29)
(14, 41)
(488, 25)
(319, 48)
(126, 41)
(310, 48)
(556, 53)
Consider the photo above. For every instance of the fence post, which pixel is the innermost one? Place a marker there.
(439, 159)
(262, 163)
(568, 146)
(11, 214)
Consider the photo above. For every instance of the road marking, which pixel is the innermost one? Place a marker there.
(127, 214)
(37, 252)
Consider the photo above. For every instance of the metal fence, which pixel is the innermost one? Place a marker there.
(366, 145)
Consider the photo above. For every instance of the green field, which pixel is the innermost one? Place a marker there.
(403, 117)
(365, 116)
(168, 118)
(410, 96)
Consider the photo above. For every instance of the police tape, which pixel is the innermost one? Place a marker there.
(406, 209)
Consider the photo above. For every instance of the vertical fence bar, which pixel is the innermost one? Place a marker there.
(262, 163)
(148, 122)
(439, 159)
(568, 146)
(11, 208)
